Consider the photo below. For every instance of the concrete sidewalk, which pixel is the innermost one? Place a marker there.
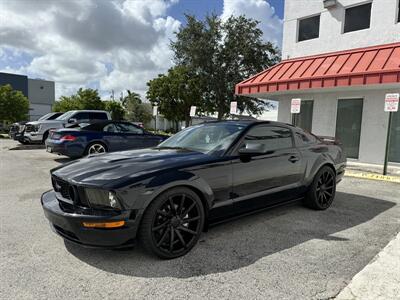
(393, 168)
(378, 280)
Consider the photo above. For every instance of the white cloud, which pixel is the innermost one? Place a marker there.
(109, 44)
(259, 10)
(115, 44)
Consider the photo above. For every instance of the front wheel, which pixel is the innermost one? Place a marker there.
(172, 223)
(322, 190)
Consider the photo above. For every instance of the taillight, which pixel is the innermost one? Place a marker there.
(68, 138)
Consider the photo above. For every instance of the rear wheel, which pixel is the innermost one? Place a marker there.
(172, 223)
(322, 190)
(95, 148)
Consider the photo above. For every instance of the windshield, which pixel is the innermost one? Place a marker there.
(66, 116)
(45, 116)
(205, 138)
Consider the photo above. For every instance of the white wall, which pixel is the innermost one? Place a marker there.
(373, 125)
(38, 110)
(41, 91)
(383, 29)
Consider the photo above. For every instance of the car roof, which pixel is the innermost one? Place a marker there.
(249, 122)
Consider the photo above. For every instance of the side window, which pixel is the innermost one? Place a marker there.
(357, 17)
(81, 116)
(273, 137)
(129, 128)
(110, 128)
(308, 28)
(97, 116)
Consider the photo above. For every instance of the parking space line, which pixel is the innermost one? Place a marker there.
(372, 176)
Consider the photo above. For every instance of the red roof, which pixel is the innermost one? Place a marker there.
(363, 66)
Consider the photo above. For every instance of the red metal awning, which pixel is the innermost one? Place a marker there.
(356, 67)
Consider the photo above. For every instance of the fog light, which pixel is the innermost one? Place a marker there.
(104, 224)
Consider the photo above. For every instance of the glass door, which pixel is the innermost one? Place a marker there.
(394, 149)
(304, 118)
(348, 125)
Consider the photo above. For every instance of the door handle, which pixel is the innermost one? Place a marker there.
(293, 159)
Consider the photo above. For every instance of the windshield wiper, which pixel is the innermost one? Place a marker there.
(173, 147)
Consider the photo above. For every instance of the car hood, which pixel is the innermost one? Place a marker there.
(49, 122)
(120, 168)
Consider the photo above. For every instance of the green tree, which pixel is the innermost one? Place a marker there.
(83, 99)
(116, 109)
(223, 53)
(135, 109)
(175, 92)
(66, 103)
(14, 106)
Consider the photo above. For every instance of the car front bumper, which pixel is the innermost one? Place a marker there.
(33, 137)
(70, 225)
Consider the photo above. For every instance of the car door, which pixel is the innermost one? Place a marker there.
(97, 116)
(151, 140)
(133, 135)
(79, 117)
(113, 138)
(267, 178)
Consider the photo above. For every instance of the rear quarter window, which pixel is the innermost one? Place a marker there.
(98, 116)
(303, 138)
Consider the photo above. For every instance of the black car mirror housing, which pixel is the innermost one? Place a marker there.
(251, 150)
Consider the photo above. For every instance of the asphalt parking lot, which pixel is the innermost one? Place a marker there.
(286, 253)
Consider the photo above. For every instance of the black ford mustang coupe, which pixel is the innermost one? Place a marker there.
(167, 195)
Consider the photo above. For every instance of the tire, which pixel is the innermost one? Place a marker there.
(45, 136)
(91, 148)
(176, 215)
(322, 190)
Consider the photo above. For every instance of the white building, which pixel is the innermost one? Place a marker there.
(341, 58)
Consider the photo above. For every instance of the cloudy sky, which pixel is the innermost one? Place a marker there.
(108, 44)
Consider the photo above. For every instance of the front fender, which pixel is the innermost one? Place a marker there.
(141, 194)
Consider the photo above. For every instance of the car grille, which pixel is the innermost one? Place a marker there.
(70, 192)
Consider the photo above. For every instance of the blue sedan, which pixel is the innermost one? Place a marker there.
(107, 136)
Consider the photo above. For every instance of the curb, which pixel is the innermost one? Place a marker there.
(372, 176)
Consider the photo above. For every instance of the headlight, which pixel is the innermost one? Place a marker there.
(101, 198)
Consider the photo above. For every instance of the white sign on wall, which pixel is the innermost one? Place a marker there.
(392, 102)
(192, 111)
(155, 110)
(295, 106)
(233, 110)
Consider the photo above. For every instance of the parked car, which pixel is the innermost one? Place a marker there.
(99, 137)
(207, 173)
(17, 129)
(38, 131)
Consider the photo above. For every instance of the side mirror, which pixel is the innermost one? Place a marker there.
(72, 120)
(251, 150)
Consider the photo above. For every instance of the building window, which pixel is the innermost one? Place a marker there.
(398, 12)
(308, 28)
(357, 17)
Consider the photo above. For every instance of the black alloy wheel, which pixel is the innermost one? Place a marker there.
(322, 191)
(172, 224)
